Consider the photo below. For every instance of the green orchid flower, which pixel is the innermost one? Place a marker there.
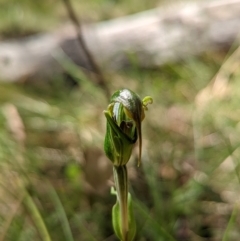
(124, 117)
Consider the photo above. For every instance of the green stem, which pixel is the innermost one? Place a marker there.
(121, 182)
(62, 214)
(230, 223)
(37, 217)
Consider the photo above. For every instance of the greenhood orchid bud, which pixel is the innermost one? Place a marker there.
(124, 117)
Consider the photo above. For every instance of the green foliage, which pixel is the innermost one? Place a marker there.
(25, 17)
(116, 218)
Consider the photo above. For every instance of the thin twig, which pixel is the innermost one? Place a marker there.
(100, 79)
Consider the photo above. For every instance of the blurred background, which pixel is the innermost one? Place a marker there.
(54, 177)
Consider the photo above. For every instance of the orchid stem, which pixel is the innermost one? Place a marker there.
(121, 182)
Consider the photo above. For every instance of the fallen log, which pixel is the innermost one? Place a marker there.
(155, 37)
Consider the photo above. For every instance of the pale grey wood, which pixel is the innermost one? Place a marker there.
(154, 37)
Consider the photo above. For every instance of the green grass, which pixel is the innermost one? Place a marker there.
(55, 179)
(25, 17)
